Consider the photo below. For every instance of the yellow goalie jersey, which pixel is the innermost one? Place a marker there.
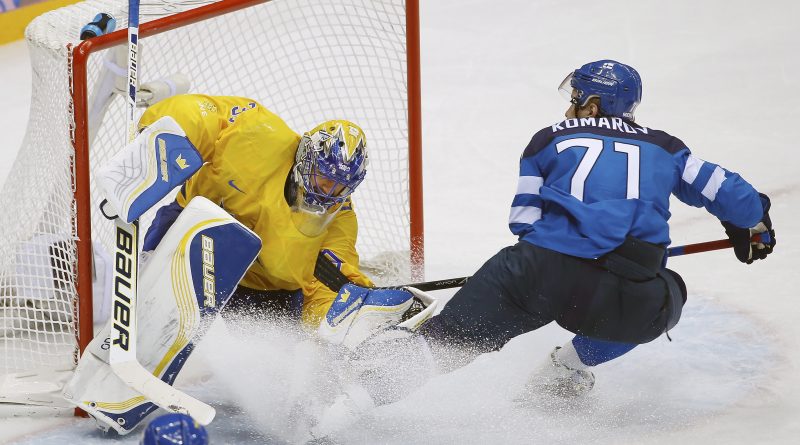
(249, 153)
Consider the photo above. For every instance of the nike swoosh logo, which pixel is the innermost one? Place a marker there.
(230, 183)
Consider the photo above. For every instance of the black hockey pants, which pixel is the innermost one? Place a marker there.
(524, 287)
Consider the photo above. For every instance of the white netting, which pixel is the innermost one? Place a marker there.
(307, 60)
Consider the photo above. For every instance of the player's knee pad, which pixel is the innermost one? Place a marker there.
(628, 311)
(187, 281)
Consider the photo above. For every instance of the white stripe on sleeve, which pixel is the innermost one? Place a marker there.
(524, 215)
(529, 185)
(692, 168)
(714, 183)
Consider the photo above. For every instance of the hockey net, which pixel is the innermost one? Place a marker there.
(307, 60)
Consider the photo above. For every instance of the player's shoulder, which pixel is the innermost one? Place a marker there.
(249, 116)
(602, 127)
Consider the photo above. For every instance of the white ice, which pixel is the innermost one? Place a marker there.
(721, 75)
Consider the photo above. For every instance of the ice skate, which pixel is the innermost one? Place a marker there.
(346, 410)
(559, 377)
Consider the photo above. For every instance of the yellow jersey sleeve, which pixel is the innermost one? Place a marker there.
(201, 117)
(244, 146)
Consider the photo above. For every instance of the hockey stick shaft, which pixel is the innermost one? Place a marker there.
(687, 249)
(122, 354)
(133, 66)
(126, 236)
(707, 246)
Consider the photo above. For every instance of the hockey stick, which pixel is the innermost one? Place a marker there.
(708, 245)
(122, 353)
(688, 249)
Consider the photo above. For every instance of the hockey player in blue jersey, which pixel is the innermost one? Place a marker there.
(591, 212)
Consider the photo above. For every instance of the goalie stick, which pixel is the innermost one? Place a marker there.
(122, 353)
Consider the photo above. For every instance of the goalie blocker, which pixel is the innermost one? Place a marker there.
(186, 282)
(146, 170)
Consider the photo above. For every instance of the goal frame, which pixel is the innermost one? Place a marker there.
(80, 140)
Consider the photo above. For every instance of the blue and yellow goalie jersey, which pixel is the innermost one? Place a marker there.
(249, 153)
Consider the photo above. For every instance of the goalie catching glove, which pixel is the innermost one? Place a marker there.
(358, 313)
(745, 249)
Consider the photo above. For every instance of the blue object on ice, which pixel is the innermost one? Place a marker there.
(174, 429)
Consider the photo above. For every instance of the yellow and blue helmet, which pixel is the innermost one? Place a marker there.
(331, 162)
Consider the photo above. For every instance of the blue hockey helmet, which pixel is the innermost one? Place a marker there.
(174, 429)
(618, 86)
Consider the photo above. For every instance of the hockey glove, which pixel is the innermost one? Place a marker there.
(746, 250)
(359, 312)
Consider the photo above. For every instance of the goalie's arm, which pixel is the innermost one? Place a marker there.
(198, 115)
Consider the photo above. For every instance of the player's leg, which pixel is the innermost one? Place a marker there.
(592, 352)
(623, 316)
(567, 372)
(503, 299)
(633, 300)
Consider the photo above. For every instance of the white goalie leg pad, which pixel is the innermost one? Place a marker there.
(188, 279)
(359, 313)
(148, 169)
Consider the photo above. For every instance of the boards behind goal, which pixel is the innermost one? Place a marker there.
(307, 60)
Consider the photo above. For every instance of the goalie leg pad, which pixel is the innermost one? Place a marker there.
(148, 169)
(185, 284)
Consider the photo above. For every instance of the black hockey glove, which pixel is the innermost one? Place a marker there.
(746, 250)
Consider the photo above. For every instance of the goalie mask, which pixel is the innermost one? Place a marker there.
(331, 162)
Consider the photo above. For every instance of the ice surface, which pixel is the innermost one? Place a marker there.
(721, 75)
